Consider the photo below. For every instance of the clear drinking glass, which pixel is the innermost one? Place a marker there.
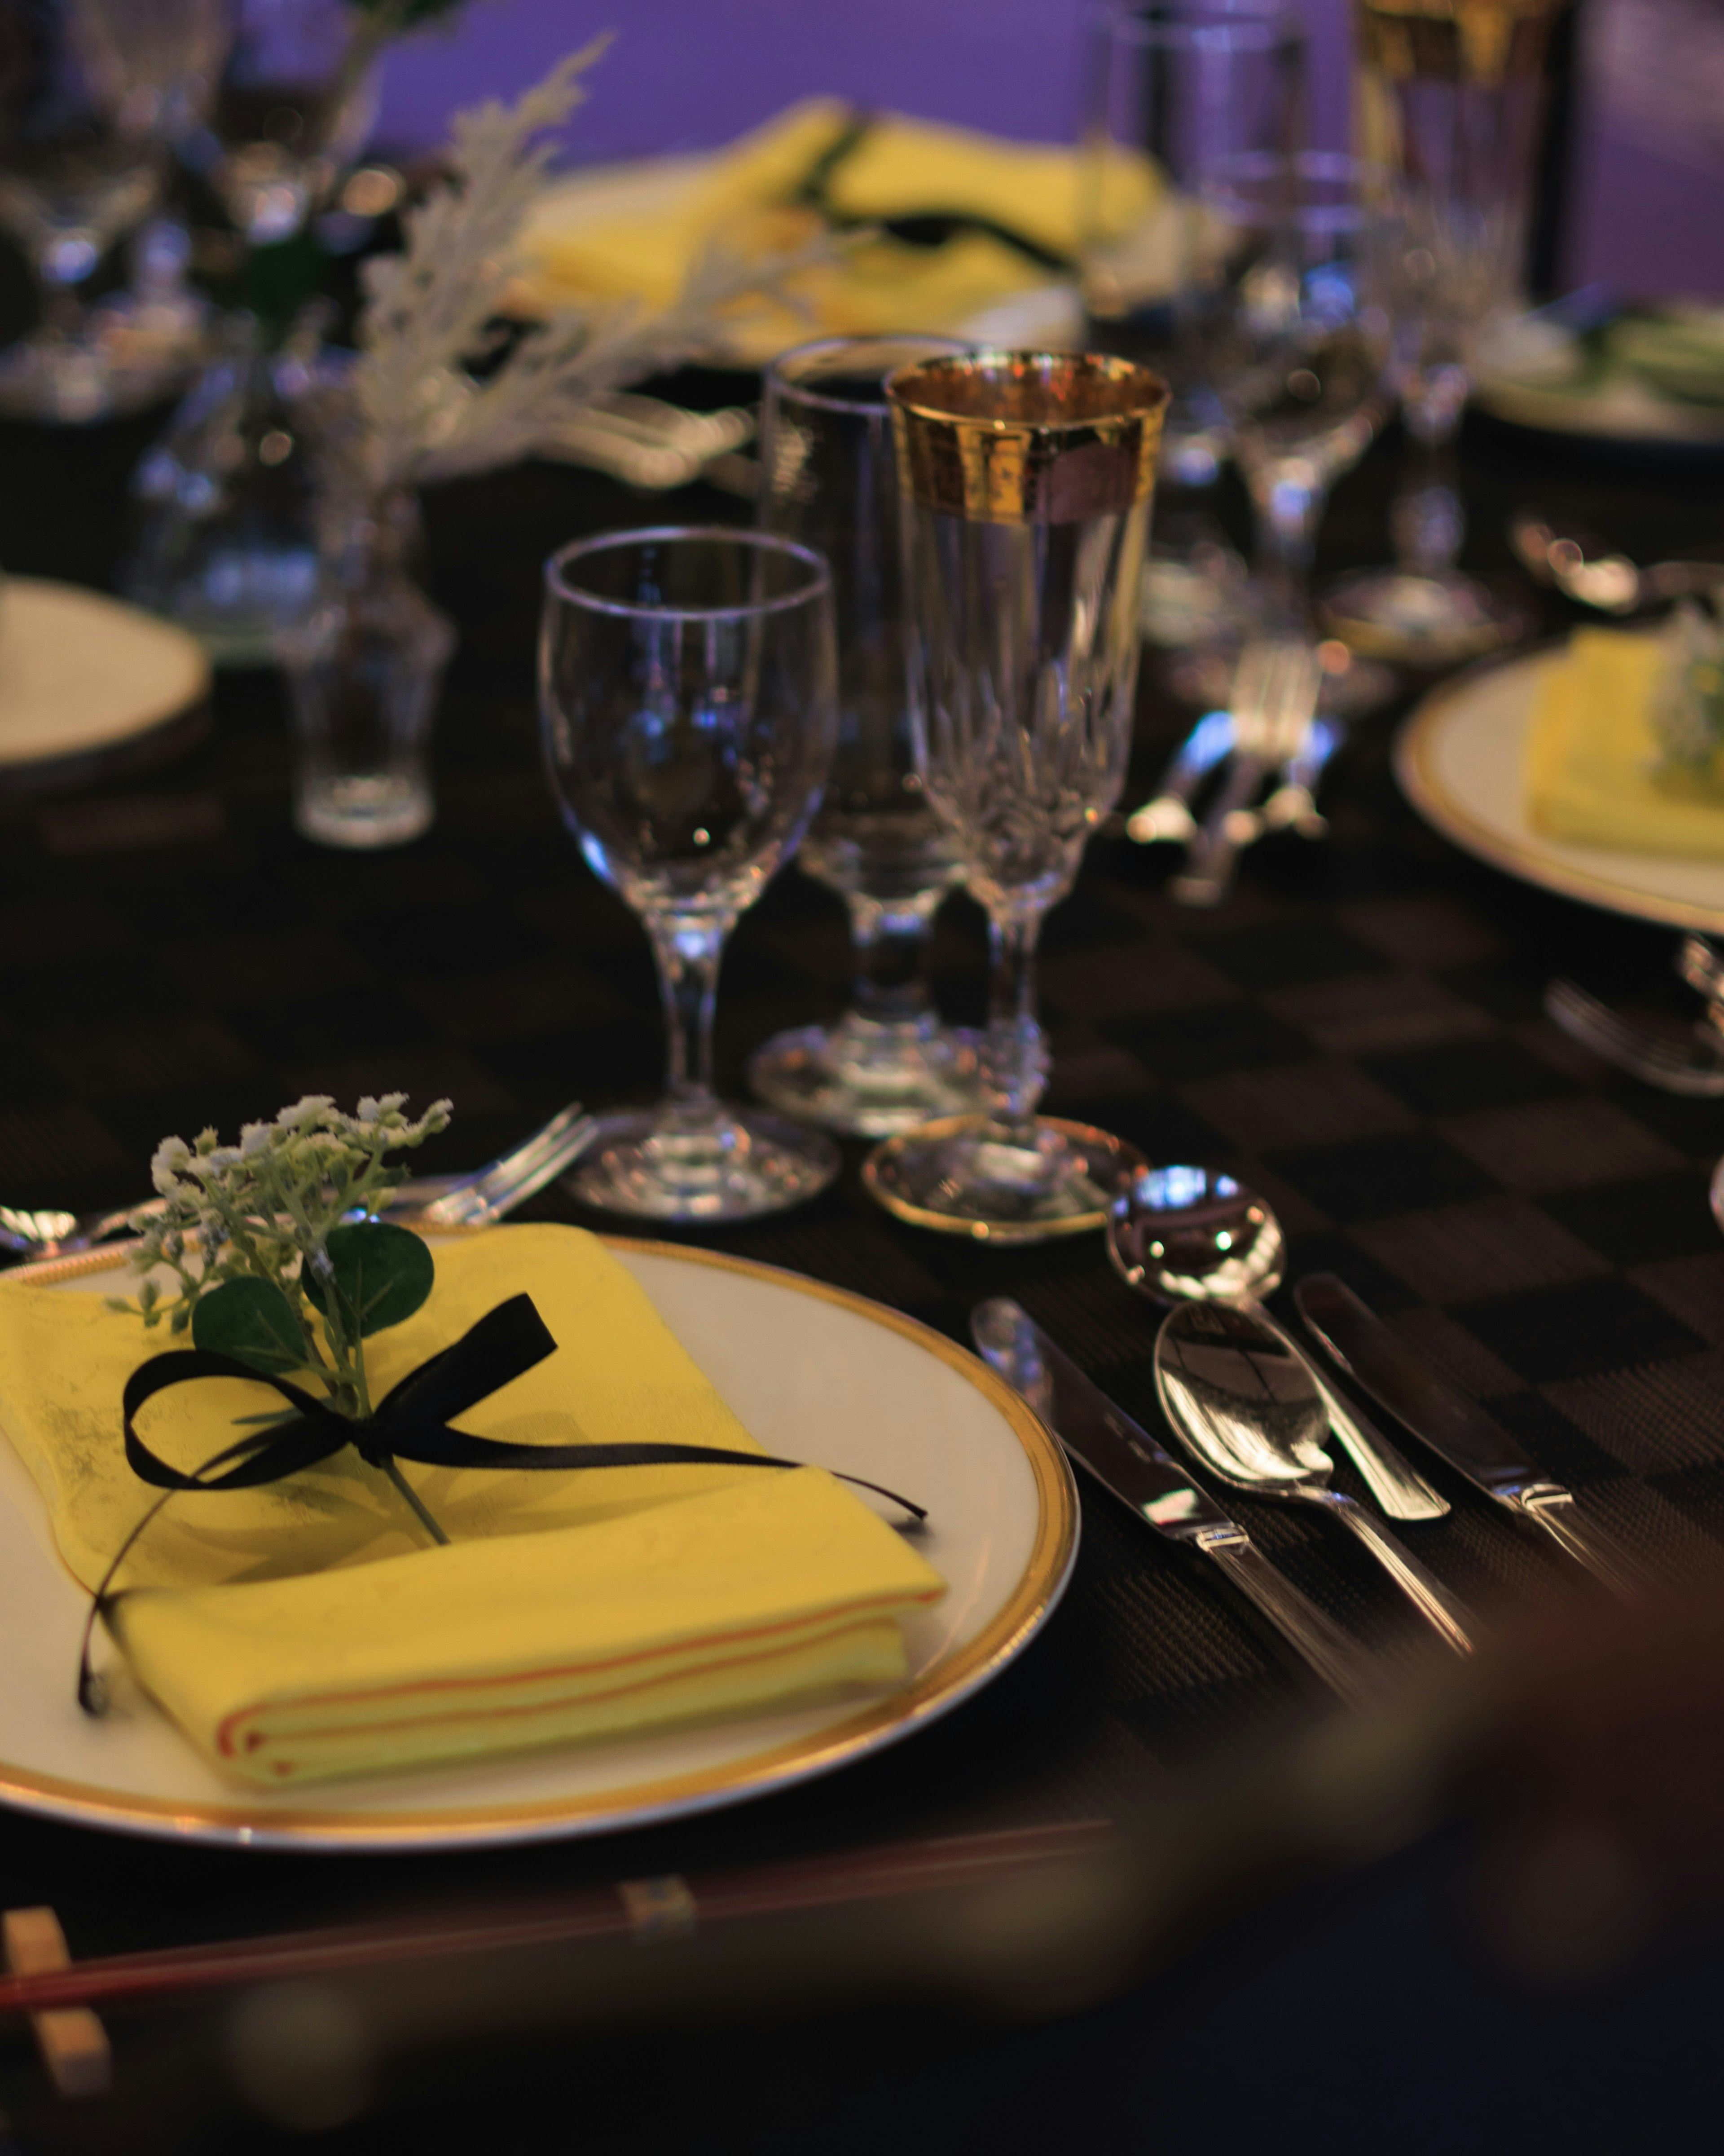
(1451, 98)
(688, 698)
(1301, 349)
(830, 482)
(1027, 479)
(1174, 89)
(92, 93)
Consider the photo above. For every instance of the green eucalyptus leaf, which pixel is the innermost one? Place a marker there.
(381, 1274)
(253, 1321)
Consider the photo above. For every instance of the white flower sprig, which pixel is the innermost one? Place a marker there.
(431, 311)
(1687, 713)
(264, 1209)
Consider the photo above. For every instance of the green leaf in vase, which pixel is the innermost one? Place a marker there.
(252, 1321)
(380, 1273)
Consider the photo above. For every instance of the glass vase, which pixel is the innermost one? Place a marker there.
(363, 672)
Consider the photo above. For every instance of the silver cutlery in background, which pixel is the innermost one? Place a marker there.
(1186, 1234)
(1243, 1401)
(1167, 814)
(649, 443)
(1274, 705)
(1658, 1059)
(1582, 570)
(1456, 1428)
(475, 1199)
(1132, 1467)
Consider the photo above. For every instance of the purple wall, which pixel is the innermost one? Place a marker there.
(691, 74)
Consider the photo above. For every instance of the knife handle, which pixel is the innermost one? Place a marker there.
(1586, 1542)
(1336, 1657)
(1440, 1608)
(1386, 1471)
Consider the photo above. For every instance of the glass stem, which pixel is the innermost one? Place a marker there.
(889, 943)
(1426, 518)
(1015, 1057)
(688, 948)
(1289, 496)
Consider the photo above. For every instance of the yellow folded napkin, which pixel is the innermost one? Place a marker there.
(1592, 763)
(304, 1629)
(634, 233)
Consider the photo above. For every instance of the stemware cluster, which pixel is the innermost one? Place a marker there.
(963, 709)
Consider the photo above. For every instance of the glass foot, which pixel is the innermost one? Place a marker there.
(741, 1165)
(867, 1079)
(1423, 621)
(70, 381)
(968, 1176)
(364, 809)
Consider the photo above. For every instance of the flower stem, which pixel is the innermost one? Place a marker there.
(411, 1495)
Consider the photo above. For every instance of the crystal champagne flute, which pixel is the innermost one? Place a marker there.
(1026, 479)
(829, 481)
(688, 694)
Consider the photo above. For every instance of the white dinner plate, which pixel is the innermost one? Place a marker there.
(1460, 760)
(82, 675)
(815, 1374)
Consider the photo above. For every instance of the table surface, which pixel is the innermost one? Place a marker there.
(1357, 1032)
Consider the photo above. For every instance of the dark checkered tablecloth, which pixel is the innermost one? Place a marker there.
(1357, 1032)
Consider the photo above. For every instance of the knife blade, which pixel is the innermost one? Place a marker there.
(1456, 1428)
(1132, 1467)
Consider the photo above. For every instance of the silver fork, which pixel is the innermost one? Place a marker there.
(1275, 702)
(1635, 1048)
(481, 1196)
(1169, 814)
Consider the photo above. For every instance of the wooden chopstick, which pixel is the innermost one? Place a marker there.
(631, 1908)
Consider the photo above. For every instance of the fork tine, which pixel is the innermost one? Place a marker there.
(1629, 1046)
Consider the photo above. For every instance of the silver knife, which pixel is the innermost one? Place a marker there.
(1456, 1428)
(1126, 1461)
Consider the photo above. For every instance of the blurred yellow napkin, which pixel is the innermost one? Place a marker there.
(635, 232)
(304, 1630)
(1592, 758)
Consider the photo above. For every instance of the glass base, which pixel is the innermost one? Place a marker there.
(381, 808)
(1422, 621)
(744, 1165)
(868, 1079)
(112, 370)
(1352, 686)
(967, 1176)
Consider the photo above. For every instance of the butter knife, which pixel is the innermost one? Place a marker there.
(1456, 1428)
(1127, 1462)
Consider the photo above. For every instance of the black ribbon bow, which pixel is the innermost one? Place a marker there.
(411, 1422)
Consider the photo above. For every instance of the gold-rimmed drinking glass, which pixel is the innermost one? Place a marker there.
(1025, 479)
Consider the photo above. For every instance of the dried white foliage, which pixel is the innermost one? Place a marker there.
(422, 414)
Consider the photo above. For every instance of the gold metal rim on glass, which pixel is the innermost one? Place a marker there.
(1026, 437)
(1415, 769)
(876, 1168)
(880, 1722)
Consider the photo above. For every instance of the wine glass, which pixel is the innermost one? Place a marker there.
(92, 92)
(1027, 479)
(297, 101)
(688, 698)
(1451, 100)
(1171, 89)
(1303, 247)
(829, 481)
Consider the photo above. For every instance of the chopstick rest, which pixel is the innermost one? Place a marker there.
(73, 2042)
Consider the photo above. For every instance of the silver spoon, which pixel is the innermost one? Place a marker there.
(1189, 1234)
(1245, 1405)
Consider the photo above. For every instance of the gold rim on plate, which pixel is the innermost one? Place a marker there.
(1416, 771)
(881, 1722)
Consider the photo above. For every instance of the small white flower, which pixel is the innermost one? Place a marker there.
(255, 1138)
(310, 1110)
(171, 1156)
